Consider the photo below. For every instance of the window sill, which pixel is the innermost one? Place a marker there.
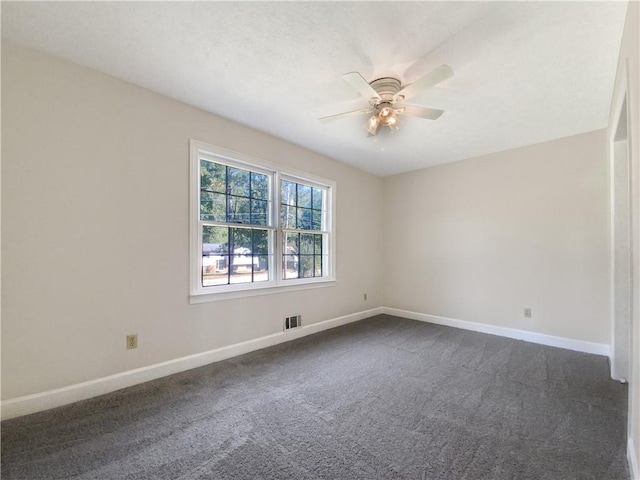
(254, 292)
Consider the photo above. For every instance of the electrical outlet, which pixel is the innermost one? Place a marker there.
(365, 296)
(527, 313)
(132, 341)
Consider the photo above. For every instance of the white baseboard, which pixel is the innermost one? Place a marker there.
(27, 404)
(37, 402)
(633, 460)
(541, 338)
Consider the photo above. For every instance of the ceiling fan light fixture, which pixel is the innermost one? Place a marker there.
(372, 125)
(386, 115)
(393, 122)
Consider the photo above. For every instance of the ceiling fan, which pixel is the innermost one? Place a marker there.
(386, 98)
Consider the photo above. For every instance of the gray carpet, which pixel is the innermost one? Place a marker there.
(384, 398)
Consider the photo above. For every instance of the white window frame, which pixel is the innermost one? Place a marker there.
(276, 284)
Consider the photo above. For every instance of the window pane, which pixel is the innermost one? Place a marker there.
(290, 266)
(241, 268)
(288, 216)
(238, 182)
(288, 193)
(260, 242)
(317, 220)
(215, 275)
(304, 218)
(241, 241)
(291, 243)
(306, 244)
(215, 246)
(259, 212)
(306, 266)
(238, 210)
(216, 240)
(317, 199)
(304, 196)
(213, 176)
(318, 239)
(318, 266)
(213, 207)
(259, 186)
(261, 269)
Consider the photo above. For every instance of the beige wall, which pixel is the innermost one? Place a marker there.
(479, 240)
(95, 229)
(628, 82)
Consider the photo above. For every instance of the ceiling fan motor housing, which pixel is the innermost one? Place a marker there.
(386, 88)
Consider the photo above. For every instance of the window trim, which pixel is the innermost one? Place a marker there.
(200, 294)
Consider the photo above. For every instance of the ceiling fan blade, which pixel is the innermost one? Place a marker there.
(348, 114)
(357, 82)
(429, 80)
(416, 111)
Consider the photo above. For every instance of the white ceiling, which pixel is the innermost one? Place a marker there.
(524, 72)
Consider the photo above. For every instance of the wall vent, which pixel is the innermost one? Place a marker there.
(294, 321)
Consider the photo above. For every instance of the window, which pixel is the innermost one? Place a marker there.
(256, 225)
(234, 211)
(301, 217)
